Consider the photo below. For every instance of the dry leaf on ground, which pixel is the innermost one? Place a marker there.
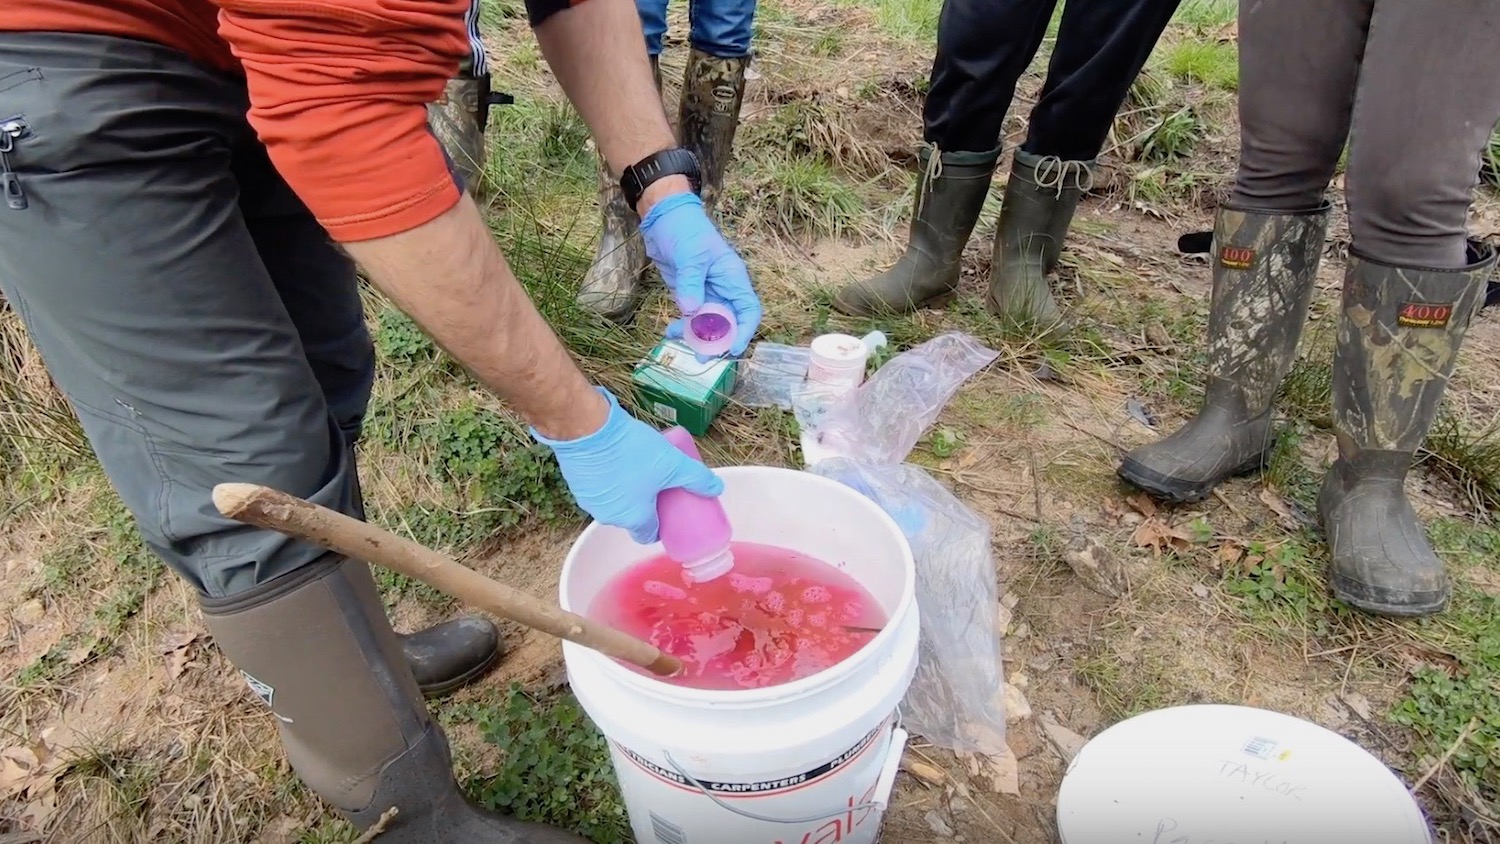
(1161, 537)
(1143, 504)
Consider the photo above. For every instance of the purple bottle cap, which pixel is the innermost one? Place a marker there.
(710, 330)
(709, 327)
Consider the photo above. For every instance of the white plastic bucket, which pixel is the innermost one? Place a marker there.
(1192, 774)
(807, 762)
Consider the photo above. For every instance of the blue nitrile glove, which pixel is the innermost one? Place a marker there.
(616, 472)
(699, 266)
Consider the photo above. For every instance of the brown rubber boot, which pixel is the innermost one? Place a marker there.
(613, 286)
(708, 115)
(950, 194)
(1041, 196)
(448, 656)
(1265, 266)
(316, 647)
(458, 119)
(1399, 336)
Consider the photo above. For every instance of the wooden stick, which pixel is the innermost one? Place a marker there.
(274, 510)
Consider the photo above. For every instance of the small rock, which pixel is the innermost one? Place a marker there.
(1005, 617)
(1021, 631)
(1096, 566)
(939, 827)
(1067, 742)
(1359, 703)
(1042, 663)
(1016, 706)
(30, 613)
(1200, 590)
(1010, 600)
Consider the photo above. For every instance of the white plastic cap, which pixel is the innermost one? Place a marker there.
(710, 567)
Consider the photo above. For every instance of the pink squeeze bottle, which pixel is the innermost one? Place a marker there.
(694, 530)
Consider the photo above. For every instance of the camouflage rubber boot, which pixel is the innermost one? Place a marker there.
(613, 286)
(950, 194)
(1040, 197)
(1399, 336)
(708, 115)
(458, 119)
(1265, 266)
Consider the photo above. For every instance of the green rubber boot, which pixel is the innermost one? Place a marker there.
(950, 194)
(615, 280)
(1265, 266)
(1041, 196)
(1399, 336)
(708, 115)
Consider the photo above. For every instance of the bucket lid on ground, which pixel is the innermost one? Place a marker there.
(1193, 774)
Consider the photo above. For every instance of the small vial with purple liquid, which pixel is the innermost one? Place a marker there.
(710, 330)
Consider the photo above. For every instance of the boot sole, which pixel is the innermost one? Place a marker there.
(1178, 491)
(1348, 591)
(453, 684)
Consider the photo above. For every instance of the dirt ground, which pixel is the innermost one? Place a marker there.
(148, 734)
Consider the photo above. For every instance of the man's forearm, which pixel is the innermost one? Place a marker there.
(450, 276)
(598, 54)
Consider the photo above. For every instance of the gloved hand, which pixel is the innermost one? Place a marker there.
(698, 266)
(616, 472)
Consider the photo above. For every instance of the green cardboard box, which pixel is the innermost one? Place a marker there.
(678, 390)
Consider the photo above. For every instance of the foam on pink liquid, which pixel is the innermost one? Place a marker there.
(778, 616)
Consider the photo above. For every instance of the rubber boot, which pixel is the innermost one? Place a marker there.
(1265, 266)
(708, 115)
(1040, 197)
(458, 119)
(1066, 182)
(448, 656)
(950, 194)
(613, 286)
(315, 646)
(1399, 336)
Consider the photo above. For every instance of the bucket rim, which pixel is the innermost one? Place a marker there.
(769, 695)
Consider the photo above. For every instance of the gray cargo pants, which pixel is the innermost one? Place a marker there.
(198, 318)
(1411, 84)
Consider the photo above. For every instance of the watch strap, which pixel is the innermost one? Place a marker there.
(676, 161)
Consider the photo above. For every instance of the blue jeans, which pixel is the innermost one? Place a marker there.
(720, 28)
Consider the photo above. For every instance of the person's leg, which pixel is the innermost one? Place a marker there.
(612, 286)
(1100, 50)
(460, 117)
(1426, 107)
(319, 288)
(713, 85)
(983, 47)
(133, 269)
(1298, 66)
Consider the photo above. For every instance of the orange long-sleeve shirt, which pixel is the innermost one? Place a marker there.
(338, 88)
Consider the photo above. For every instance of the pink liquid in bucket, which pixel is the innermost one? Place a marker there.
(778, 617)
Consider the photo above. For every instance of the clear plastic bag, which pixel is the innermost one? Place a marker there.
(957, 697)
(882, 420)
(771, 375)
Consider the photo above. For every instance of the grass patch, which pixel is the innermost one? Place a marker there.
(556, 768)
(1212, 63)
(1206, 14)
(1469, 459)
(129, 572)
(909, 20)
